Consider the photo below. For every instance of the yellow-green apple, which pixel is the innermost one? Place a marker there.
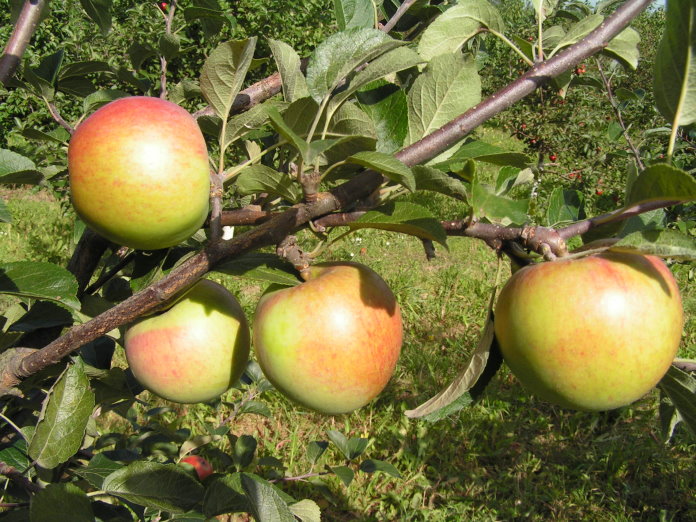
(594, 333)
(331, 343)
(195, 350)
(139, 173)
(203, 468)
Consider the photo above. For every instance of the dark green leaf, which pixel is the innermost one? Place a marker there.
(565, 206)
(485, 152)
(98, 469)
(100, 12)
(386, 164)
(316, 449)
(680, 387)
(42, 314)
(624, 48)
(63, 420)
(62, 502)
(5, 215)
(428, 178)
(39, 280)
(344, 473)
(225, 495)
(287, 131)
(169, 45)
(662, 243)
(260, 178)
(256, 407)
(500, 209)
(244, 450)
(159, 486)
(354, 14)
(386, 105)
(674, 73)
(239, 124)
(404, 217)
(17, 169)
(371, 465)
(265, 502)
(138, 53)
(662, 182)
(59, 135)
(511, 177)
(49, 66)
(350, 448)
(15, 455)
(99, 98)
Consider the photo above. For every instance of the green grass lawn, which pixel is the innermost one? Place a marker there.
(509, 456)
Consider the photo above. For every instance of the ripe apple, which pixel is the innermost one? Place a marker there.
(594, 333)
(203, 468)
(139, 173)
(195, 350)
(331, 343)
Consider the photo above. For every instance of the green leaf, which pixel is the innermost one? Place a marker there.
(453, 28)
(386, 105)
(316, 449)
(288, 132)
(464, 381)
(98, 469)
(99, 98)
(565, 206)
(404, 217)
(100, 13)
(155, 485)
(510, 177)
(662, 182)
(335, 59)
(449, 86)
(429, 178)
(16, 169)
(674, 73)
(288, 63)
(481, 151)
(15, 455)
(262, 267)
(260, 178)
(244, 449)
(350, 448)
(386, 164)
(211, 18)
(265, 502)
(169, 45)
(371, 465)
(306, 510)
(225, 495)
(624, 48)
(498, 209)
(5, 215)
(239, 124)
(344, 473)
(63, 502)
(662, 243)
(63, 419)
(138, 53)
(393, 61)
(223, 74)
(577, 32)
(354, 14)
(680, 387)
(39, 280)
(544, 8)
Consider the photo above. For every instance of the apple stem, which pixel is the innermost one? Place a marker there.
(289, 249)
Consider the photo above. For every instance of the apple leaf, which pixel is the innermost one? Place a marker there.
(385, 104)
(354, 13)
(223, 74)
(404, 217)
(344, 473)
(260, 178)
(100, 13)
(15, 454)
(485, 152)
(463, 382)
(335, 59)
(387, 165)
(262, 267)
(316, 449)
(265, 500)
(350, 448)
(16, 169)
(662, 243)
(371, 465)
(61, 502)
(240, 124)
(510, 177)
(306, 510)
(680, 387)
(5, 215)
(224, 495)
(39, 280)
(244, 449)
(576, 32)
(498, 209)
(63, 419)
(429, 178)
(565, 206)
(98, 469)
(674, 71)
(453, 28)
(447, 88)
(664, 182)
(155, 485)
(288, 63)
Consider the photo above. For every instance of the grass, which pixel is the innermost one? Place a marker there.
(509, 456)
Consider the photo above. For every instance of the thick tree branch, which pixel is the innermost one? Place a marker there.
(19, 39)
(277, 228)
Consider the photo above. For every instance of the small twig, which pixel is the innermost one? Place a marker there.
(17, 477)
(168, 20)
(685, 365)
(289, 249)
(216, 193)
(85, 258)
(19, 39)
(105, 278)
(301, 477)
(429, 248)
(617, 112)
(401, 11)
(56, 116)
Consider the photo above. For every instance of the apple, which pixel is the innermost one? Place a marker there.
(139, 173)
(195, 350)
(594, 333)
(331, 343)
(203, 468)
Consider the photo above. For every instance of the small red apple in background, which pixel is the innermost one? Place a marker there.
(194, 351)
(553, 157)
(594, 333)
(139, 173)
(203, 468)
(599, 192)
(330, 344)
